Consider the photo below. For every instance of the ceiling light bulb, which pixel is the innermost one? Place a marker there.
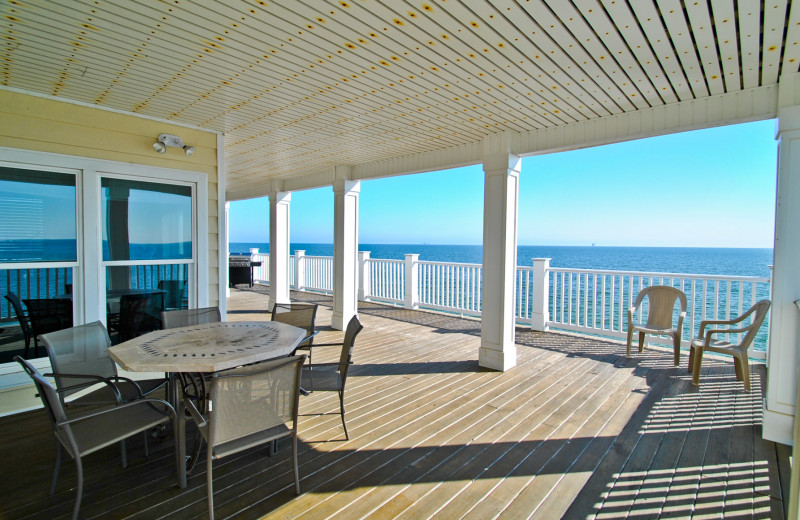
(159, 147)
(188, 150)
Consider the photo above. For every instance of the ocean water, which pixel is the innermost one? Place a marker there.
(692, 260)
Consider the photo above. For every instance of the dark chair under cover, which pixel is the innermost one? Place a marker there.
(24, 325)
(83, 435)
(250, 406)
(301, 315)
(331, 377)
(48, 315)
(173, 293)
(79, 359)
(186, 317)
(139, 314)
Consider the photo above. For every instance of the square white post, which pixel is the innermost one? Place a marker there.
(363, 275)
(412, 281)
(279, 202)
(345, 251)
(540, 313)
(300, 270)
(501, 196)
(780, 406)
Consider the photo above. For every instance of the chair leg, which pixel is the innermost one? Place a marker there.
(641, 341)
(691, 359)
(341, 407)
(209, 480)
(698, 360)
(676, 345)
(630, 338)
(57, 468)
(124, 453)
(296, 470)
(737, 365)
(79, 470)
(745, 368)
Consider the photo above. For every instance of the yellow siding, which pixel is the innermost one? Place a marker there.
(46, 125)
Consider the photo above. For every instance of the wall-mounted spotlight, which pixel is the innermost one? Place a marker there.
(174, 141)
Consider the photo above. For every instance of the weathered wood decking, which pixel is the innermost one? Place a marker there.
(574, 430)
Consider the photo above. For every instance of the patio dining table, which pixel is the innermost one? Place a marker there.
(205, 348)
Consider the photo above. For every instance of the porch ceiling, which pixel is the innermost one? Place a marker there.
(299, 87)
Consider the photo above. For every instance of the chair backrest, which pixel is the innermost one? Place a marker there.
(139, 314)
(23, 320)
(48, 315)
(353, 328)
(759, 311)
(302, 315)
(79, 350)
(254, 398)
(173, 293)
(53, 405)
(186, 317)
(661, 308)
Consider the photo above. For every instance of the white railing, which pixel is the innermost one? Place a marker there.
(261, 272)
(450, 287)
(387, 280)
(597, 301)
(580, 300)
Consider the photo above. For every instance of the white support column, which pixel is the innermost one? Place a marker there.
(540, 313)
(363, 276)
(412, 281)
(780, 405)
(299, 270)
(501, 196)
(279, 202)
(345, 248)
(224, 257)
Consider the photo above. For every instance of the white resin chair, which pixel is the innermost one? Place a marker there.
(661, 300)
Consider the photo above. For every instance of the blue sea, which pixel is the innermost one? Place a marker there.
(691, 260)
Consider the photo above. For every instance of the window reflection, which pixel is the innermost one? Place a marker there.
(37, 216)
(146, 220)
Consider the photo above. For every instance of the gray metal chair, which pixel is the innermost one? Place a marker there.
(139, 314)
(301, 315)
(186, 317)
(332, 377)
(661, 300)
(24, 325)
(705, 342)
(250, 406)
(83, 435)
(79, 359)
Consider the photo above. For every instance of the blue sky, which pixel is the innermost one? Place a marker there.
(706, 188)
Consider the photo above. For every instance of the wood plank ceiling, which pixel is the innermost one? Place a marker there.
(300, 86)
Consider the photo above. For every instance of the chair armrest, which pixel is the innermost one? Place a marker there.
(93, 380)
(195, 413)
(315, 345)
(710, 332)
(117, 408)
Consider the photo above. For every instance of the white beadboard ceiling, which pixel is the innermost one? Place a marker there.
(299, 87)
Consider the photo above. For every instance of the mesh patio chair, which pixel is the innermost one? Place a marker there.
(661, 300)
(48, 315)
(139, 314)
(250, 406)
(331, 377)
(301, 315)
(83, 435)
(186, 317)
(173, 293)
(79, 359)
(705, 342)
(24, 325)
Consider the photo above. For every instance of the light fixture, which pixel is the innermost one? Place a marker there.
(174, 141)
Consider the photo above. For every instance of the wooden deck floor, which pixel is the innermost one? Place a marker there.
(574, 430)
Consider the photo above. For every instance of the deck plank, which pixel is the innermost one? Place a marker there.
(575, 430)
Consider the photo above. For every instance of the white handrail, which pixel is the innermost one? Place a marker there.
(583, 300)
